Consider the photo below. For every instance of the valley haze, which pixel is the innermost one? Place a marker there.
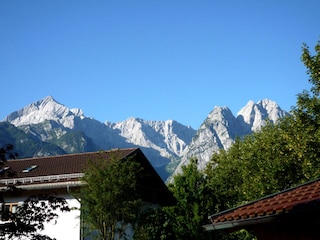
(53, 129)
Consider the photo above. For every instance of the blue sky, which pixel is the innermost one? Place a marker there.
(155, 60)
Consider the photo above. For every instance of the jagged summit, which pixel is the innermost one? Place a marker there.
(219, 113)
(48, 99)
(173, 135)
(254, 114)
(221, 128)
(45, 109)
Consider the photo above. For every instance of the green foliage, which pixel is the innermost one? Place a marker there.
(260, 164)
(193, 204)
(188, 189)
(307, 111)
(224, 176)
(154, 224)
(312, 63)
(7, 152)
(109, 200)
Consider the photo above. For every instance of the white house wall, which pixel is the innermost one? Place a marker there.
(67, 225)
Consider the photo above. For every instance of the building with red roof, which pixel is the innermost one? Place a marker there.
(290, 214)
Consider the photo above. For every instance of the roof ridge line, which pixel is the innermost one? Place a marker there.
(75, 154)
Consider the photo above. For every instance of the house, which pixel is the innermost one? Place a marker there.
(291, 214)
(61, 175)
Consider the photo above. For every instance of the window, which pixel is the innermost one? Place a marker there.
(29, 169)
(2, 170)
(7, 209)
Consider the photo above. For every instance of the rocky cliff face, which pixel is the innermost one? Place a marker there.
(253, 115)
(221, 128)
(165, 143)
(168, 137)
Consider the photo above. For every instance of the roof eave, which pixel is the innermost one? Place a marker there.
(238, 223)
(43, 186)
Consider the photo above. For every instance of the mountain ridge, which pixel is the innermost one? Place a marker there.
(167, 144)
(221, 128)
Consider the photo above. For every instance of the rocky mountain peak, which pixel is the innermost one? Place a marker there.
(45, 109)
(221, 127)
(255, 114)
(219, 114)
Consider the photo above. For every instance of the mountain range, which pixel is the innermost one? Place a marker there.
(47, 127)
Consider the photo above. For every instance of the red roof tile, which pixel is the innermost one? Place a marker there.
(273, 205)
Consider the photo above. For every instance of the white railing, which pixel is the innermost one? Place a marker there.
(51, 178)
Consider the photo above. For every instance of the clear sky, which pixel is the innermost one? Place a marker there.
(155, 60)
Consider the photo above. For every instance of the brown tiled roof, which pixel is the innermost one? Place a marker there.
(62, 168)
(59, 165)
(299, 198)
(71, 167)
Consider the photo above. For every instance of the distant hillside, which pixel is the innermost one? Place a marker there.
(25, 144)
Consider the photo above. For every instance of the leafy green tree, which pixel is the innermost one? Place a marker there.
(154, 224)
(7, 152)
(257, 165)
(109, 200)
(224, 177)
(307, 110)
(194, 202)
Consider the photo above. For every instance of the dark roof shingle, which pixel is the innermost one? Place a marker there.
(55, 165)
(68, 169)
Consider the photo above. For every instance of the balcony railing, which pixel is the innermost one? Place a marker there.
(40, 179)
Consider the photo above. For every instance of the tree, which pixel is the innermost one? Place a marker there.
(278, 156)
(307, 111)
(188, 189)
(260, 164)
(7, 152)
(194, 202)
(154, 224)
(109, 197)
(224, 177)
(185, 219)
(30, 217)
